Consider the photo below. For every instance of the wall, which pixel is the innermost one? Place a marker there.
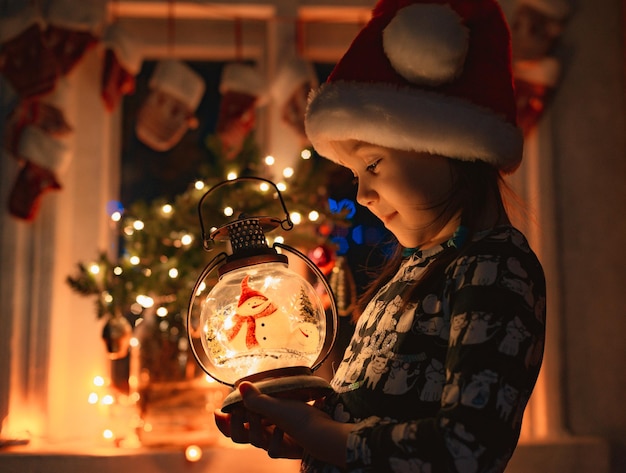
(589, 146)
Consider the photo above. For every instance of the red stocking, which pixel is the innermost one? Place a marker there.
(116, 81)
(28, 64)
(236, 119)
(31, 183)
(68, 46)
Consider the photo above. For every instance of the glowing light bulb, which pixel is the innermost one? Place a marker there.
(145, 301)
(107, 434)
(173, 273)
(228, 211)
(118, 270)
(138, 225)
(116, 216)
(270, 160)
(134, 342)
(288, 172)
(199, 185)
(305, 154)
(94, 269)
(279, 239)
(161, 312)
(193, 453)
(231, 176)
(264, 187)
(98, 381)
(314, 216)
(296, 217)
(281, 186)
(93, 398)
(134, 260)
(167, 209)
(108, 400)
(186, 239)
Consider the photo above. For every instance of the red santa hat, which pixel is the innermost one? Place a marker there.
(428, 75)
(247, 292)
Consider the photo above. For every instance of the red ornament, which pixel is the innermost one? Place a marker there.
(324, 258)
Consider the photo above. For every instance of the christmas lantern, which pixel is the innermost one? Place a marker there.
(251, 317)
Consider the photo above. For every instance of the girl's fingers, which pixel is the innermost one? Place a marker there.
(222, 421)
(238, 428)
(276, 444)
(257, 434)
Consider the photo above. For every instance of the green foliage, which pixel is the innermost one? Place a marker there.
(161, 253)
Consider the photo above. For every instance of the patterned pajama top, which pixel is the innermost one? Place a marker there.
(440, 385)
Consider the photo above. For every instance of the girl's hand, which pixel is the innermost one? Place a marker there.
(284, 428)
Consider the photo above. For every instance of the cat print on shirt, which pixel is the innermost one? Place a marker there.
(402, 377)
(435, 378)
(375, 369)
(516, 333)
(479, 328)
(478, 391)
(506, 399)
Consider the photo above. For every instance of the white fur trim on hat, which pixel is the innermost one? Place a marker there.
(39, 147)
(126, 47)
(179, 80)
(242, 78)
(426, 43)
(412, 120)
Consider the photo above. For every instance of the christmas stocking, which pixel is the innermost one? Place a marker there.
(43, 157)
(122, 62)
(168, 112)
(32, 182)
(72, 30)
(25, 60)
(534, 83)
(290, 90)
(242, 89)
(39, 129)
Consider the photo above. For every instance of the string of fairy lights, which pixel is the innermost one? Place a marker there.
(104, 272)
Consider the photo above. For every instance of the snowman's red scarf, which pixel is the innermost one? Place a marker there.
(251, 340)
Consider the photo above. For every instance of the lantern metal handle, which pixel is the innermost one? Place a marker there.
(285, 224)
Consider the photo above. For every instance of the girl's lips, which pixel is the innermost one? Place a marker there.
(387, 218)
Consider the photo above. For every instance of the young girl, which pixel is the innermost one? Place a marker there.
(448, 345)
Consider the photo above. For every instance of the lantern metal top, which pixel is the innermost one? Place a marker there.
(245, 232)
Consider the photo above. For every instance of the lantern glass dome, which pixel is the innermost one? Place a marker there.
(260, 318)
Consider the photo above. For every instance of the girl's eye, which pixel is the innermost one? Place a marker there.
(372, 167)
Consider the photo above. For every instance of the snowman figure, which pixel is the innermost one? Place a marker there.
(305, 338)
(257, 323)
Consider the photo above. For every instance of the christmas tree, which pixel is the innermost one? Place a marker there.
(161, 250)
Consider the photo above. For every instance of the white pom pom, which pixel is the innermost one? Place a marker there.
(426, 43)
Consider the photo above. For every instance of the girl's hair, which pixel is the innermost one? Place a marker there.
(476, 183)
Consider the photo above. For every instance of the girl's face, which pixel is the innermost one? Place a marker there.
(407, 190)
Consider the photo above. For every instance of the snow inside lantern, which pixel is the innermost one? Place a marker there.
(251, 317)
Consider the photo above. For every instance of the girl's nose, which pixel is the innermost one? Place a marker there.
(365, 195)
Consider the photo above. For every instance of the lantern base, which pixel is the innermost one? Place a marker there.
(283, 383)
